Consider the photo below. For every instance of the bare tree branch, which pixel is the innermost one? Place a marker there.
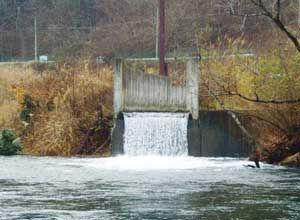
(231, 113)
(258, 100)
(282, 130)
(277, 20)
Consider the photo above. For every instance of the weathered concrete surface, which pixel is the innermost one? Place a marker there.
(146, 92)
(193, 72)
(194, 138)
(118, 86)
(117, 136)
(138, 91)
(214, 134)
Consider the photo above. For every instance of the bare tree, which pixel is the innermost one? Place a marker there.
(271, 9)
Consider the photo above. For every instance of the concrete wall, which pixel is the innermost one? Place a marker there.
(214, 134)
(210, 134)
(146, 92)
(134, 91)
(117, 136)
(193, 73)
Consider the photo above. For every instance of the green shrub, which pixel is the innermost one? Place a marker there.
(29, 107)
(25, 115)
(9, 144)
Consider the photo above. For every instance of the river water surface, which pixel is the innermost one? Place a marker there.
(146, 188)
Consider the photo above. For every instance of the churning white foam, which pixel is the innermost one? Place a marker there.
(146, 163)
(163, 134)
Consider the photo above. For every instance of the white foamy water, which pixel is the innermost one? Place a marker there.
(163, 134)
(148, 163)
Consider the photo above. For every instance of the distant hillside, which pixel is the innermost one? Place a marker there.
(72, 28)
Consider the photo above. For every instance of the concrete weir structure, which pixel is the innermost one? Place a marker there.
(142, 92)
(208, 133)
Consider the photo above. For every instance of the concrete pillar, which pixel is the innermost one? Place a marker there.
(117, 136)
(193, 72)
(118, 87)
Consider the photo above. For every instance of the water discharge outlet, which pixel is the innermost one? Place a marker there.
(161, 134)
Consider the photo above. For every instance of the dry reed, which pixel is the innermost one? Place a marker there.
(67, 100)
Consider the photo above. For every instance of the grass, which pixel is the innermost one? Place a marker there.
(70, 107)
(10, 77)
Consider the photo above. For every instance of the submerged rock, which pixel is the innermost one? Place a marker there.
(292, 161)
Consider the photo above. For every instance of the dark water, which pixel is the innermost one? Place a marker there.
(146, 188)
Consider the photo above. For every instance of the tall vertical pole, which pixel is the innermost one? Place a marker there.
(35, 40)
(162, 65)
(157, 34)
(19, 34)
(299, 15)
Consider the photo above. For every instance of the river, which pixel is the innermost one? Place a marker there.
(146, 188)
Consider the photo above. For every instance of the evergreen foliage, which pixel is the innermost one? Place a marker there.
(9, 144)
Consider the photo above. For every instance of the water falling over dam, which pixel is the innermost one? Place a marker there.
(195, 133)
(163, 134)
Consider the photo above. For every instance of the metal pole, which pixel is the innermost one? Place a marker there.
(157, 34)
(35, 40)
(18, 35)
(299, 15)
(162, 65)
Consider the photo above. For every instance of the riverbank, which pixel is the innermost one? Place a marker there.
(65, 109)
(60, 109)
(284, 152)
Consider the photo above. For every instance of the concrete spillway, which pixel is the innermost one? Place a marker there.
(215, 134)
(163, 134)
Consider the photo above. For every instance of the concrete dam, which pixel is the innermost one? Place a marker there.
(155, 117)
